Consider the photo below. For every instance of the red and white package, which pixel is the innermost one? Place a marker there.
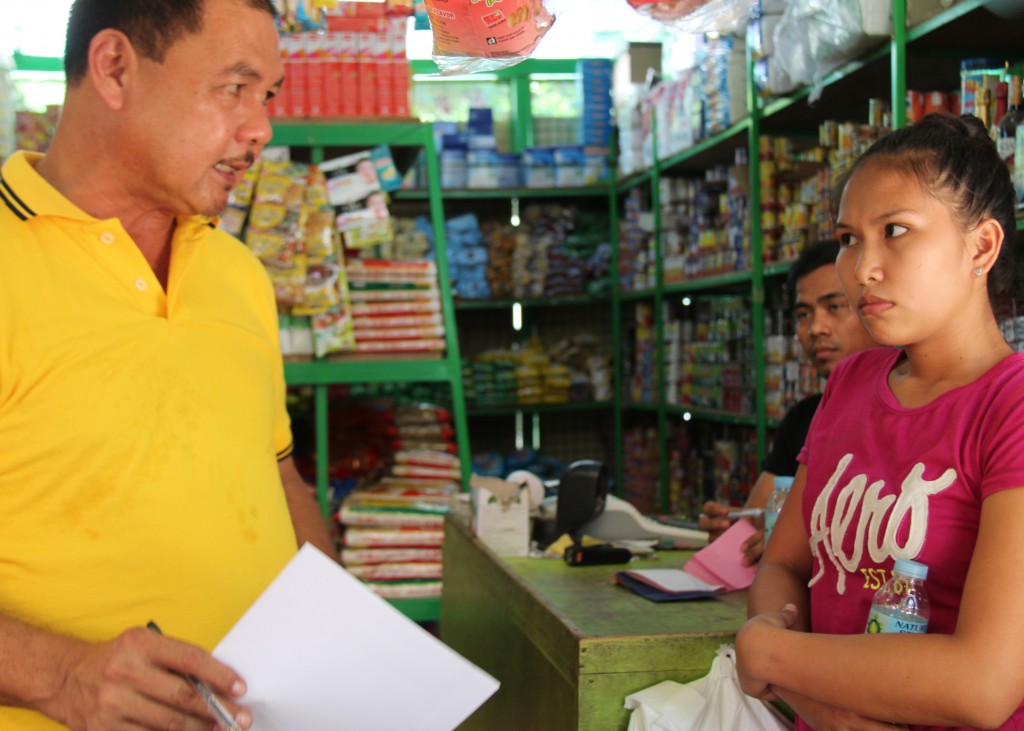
(470, 35)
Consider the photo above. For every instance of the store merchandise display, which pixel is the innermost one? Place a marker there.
(705, 224)
(640, 468)
(642, 373)
(594, 97)
(556, 252)
(318, 231)
(719, 460)
(471, 157)
(392, 523)
(399, 306)
(637, 258)
(468, 257)
(709, 356)
(572, 370)
(351, 62)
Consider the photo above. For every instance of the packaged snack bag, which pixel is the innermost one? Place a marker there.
(485, 35)
(697, 16)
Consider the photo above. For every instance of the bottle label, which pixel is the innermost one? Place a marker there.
(880, 620)
(769, 523)
(1006, 147)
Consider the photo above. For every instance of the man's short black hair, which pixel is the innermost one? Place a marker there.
(820, 253)
(153, 26)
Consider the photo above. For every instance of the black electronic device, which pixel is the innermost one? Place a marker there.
(582, 492)
(577, 555)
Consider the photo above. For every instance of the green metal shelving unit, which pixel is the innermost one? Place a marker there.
(605, 193)
(320, 374)
(957, 32)
(333, 135)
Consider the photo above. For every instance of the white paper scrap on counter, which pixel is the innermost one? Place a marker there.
(321, 652)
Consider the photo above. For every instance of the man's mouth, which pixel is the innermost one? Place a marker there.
(236, 165)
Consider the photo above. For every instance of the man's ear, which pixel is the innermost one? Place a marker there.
(112, 59)
(986, 242)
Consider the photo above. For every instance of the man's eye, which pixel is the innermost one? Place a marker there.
(233, 88)
(846, 240)
(894, 230)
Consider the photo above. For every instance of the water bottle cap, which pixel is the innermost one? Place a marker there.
(783, 482)
(913, 569)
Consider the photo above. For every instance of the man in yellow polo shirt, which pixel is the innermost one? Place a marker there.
(145, 470)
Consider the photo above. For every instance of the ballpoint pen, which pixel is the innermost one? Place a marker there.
(734, 514)
(217, 708)
(745, 513)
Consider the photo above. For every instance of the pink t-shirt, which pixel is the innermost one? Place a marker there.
(887, 482)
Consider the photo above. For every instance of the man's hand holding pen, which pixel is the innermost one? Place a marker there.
(141, 680)
(716, 518)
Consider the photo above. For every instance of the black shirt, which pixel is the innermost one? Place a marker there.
(790, 437)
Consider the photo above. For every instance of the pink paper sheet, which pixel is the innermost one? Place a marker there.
(721, 562)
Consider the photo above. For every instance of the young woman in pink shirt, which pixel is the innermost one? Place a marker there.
(914, 453)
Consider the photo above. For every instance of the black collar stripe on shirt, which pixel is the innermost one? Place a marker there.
(16, 204)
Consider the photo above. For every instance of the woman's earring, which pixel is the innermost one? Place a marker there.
(978, 272)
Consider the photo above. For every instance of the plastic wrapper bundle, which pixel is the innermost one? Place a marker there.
(711, 703)
(471, 36)
(819, 36)
(698, 16)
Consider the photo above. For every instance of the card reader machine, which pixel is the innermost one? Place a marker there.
(584, 507)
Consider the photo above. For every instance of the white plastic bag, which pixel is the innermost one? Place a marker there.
(712, 703)
(820, 36)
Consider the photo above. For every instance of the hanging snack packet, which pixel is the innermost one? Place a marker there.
(485, 35)
(697, 16)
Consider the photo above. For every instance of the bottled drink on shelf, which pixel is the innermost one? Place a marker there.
(901, 605)
(1006, 136)
(774, 505)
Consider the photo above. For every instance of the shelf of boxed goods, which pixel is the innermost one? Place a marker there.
(633, 293)
(724, 153)
(338, 137)
(551, 312)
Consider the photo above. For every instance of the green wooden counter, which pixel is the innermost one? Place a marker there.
(566, 644)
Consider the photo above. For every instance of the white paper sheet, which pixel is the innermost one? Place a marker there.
(321, 652)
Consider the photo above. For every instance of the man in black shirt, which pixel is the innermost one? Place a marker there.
(828, 330)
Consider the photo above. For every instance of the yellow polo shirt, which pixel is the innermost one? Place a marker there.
(140, 430)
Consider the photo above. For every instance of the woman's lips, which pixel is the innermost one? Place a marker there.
(873, 305)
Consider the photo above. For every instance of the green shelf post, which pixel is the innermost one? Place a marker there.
(451, 335)
(660, 399)
(616, 291)
(321, 407)
(898, 57)
(522, 113)
(757, 261)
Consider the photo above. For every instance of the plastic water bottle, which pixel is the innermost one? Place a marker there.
(901, 605)
(775, 502)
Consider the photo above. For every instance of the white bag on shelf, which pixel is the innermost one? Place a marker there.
(820, 36)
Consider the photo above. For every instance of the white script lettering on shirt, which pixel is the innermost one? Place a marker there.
(874, 528)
